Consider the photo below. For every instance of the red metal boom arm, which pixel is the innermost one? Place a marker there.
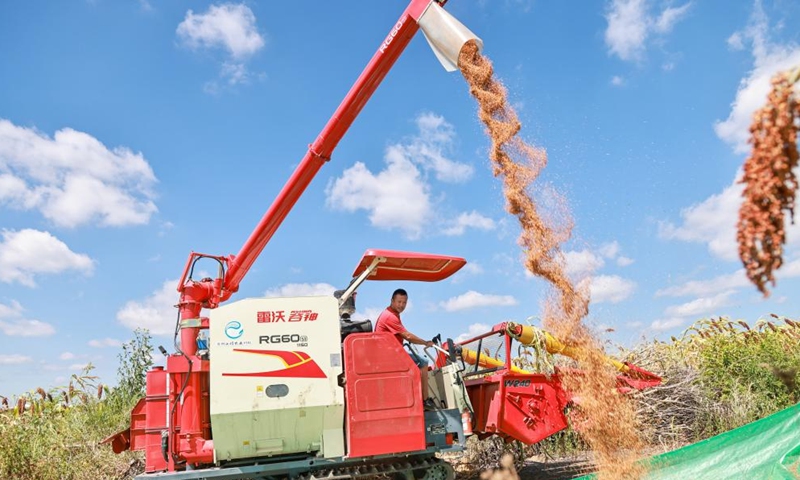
(209, 293)
(322, 148)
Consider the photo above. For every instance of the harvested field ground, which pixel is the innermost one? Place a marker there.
(567, 468)
(541, 468)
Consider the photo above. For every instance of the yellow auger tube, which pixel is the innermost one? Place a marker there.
(529, 336)
(470, 356)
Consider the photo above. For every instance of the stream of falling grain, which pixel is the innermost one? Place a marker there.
(609, 424)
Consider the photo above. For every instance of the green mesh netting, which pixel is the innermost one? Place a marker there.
(768, 449)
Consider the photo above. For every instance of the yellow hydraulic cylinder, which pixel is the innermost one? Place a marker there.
(528, 335)
(485, 361)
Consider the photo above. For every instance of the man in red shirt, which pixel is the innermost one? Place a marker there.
(389, 322)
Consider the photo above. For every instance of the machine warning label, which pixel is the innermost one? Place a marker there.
(275, 316)
(438, 429)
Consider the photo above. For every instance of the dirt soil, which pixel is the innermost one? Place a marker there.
(535, 468)
(567, 468)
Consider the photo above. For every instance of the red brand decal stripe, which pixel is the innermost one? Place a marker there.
(298, 365)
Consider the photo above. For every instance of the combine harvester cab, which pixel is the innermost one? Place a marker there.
(525, 404)
(382, 384)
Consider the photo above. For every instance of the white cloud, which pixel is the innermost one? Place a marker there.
(581, 263)
(473, 299)
(301, 290)
(722, 283)
(466, 220)
(474, 330)
(669, 17)
(399, 196)
(67, 356)
(611, 288)
(627, 29)
(736, 42)
(73, 179)
(228, 26)
(712, 221)
(396, 198)
(700, 306)
(369, 314)
(667, 323)
(609, 250)
(473, 268)
(630, 25)
(14, 359)
(235, 73)
(470, 269)
(26, 253)
(26, 328)
(106, 342)
(51, 367)
(617, 81)
(624, 261)
(211, 88)
(789, 269)
(429, 148)
(13, 323)
(769, 59)
(156, 313)
(14, 310)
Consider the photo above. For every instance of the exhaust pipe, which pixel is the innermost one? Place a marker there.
(445, 35)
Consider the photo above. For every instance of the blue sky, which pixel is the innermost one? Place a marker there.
(132, 133)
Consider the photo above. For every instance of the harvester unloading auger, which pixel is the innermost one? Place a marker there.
(631, 375)
(532, 336)
(268, 388)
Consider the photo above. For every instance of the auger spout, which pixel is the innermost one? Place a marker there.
(445, 35)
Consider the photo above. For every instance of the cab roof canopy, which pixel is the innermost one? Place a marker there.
(396, 265)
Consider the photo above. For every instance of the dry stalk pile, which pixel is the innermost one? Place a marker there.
(610, 425)
(770, 183)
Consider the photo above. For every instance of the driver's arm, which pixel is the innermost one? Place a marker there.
(411, 338)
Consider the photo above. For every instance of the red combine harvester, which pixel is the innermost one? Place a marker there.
(268, 388)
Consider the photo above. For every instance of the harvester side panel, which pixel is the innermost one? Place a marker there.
(274, 378)
(155, 409)
(384, 397)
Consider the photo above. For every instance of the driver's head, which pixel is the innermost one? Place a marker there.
(399, 300)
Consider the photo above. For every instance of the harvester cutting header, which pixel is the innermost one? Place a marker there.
(290, 387)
